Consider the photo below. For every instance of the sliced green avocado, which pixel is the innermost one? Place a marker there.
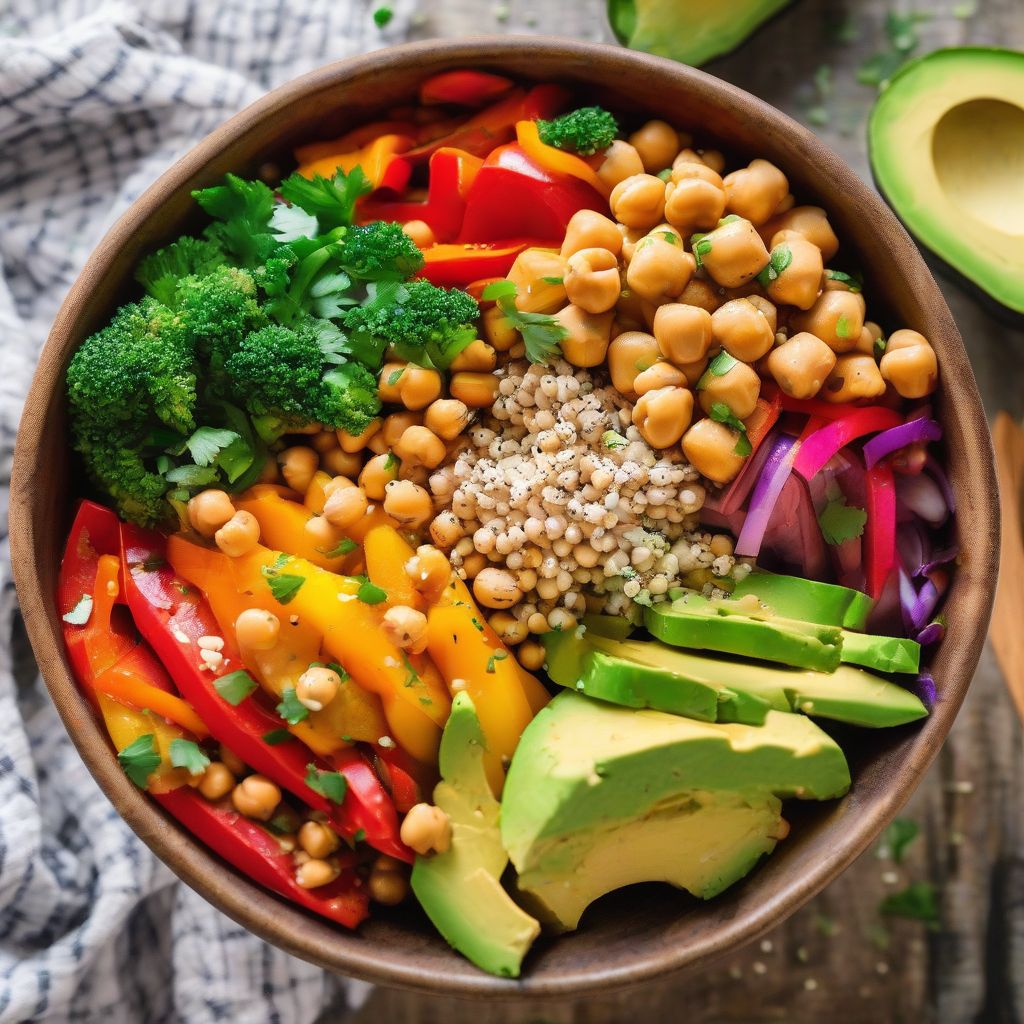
(691, 32)
(807, 600)
(882, 653)
(461, 889)
(598, 797)
(693, 621)
(648, 674)
(946, 139)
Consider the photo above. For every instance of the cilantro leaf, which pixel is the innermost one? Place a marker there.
(79, 615)
(283, 586)
(542, 334)
(206, 443)
(291, 709)
(244, 209)
(140, 759)
(276, 736)
(191, 475)
(187, 754)
(840, 522)
(896, 839)
(721, 413)
(370, 593)
(494, 659)
(332, 785)
(780, 259)
(852, 281)
(918, 902)
(345, 547)
(843, 327)
(718, 367)
(235, 686)
(331, 200)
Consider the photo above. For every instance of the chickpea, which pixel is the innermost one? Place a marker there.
(388, 883)
(257, 629)
(429, 571)
(217, 781)
(476, 390)
(659, 270)
(389, 382)
(298, 465)
(588, 229)
(407, 502)
(322, 534)
(766, 309)
(629, 355)
(510, 629)
(406, 628)
(695, 370)
(209, 510)
(631, 237)
(340, 463)
(419, 387)
(426, 829)
(353, 443)
(737, 388)
(376, 475)
(621, 161)
(657, 143)
(592, 280)
(742, 329)
(318, 840)
(345, 507)
(809, 221)
(754, 192)
(536, 273)
(324, 441)
(239, 535)
(660, 375)
(710, 447)
(446, 530)
(531, 655)
(317, 687)
(396, 425)
(692, 201)
(477, 355)
(836, 318)
(256, 797)
(733, 253)
(447, 417)
(420, 232)
(799, 282)
(420, 446)
(909, 364)
(683, 332)
(854, 376)
(688, 155)
(269, 473)
(232, 761)
(586, 342)
(663, 416)
(313, 873)
(701, 293)
(801, 364)
(496, 588)
(498, 329)
(639, 201)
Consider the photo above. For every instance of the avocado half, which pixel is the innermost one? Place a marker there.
(689, 31)
(946, 142)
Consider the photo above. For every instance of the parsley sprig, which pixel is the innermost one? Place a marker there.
(542, 334)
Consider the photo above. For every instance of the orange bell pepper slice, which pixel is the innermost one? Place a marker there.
(379, 159)
(557, 160)
(387, 553)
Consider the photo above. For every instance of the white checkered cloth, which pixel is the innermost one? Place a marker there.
(96, 99)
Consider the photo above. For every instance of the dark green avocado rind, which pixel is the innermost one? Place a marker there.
(1003, 289)
(808, 600)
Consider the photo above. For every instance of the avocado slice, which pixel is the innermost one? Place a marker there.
(882, 653)
(807, 600)
(598, 797)
(946, 140)
(692, 32)
(461, 889)
(648, 674)
(695, 622)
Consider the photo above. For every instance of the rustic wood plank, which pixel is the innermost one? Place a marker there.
(828, 962)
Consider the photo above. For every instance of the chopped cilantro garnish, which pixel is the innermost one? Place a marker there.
(345, 547)
(281, 824)
(188, 754)
(235, 686)
(79, 615)
(843, 327)
(291, 709)
(413, 677)
(542, 334)
(359, 836)
(390, 462)
(332, 785)
(494, 658)
(840, 522)
(718, 367)
(780, 258)
(477, 624)
(852, 281)
(613, 440)
(140, 759)
(283, 586)
(276, 736)
(721, 413)
(395, 376)
(370, 593)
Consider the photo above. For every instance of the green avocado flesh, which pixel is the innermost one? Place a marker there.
(946, 140)
(460, 890)
(690, 31)
(598, 797)
(693, 621)
(641, 674)
(882, 653)
(796, 598)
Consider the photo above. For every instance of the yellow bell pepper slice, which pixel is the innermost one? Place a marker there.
(386, 553)
(374, 158)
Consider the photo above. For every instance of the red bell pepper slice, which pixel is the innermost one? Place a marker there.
(514, 196)
(880, 529)
(765, 415)
(820, 409)
(406, 779)
(459, 264)
(820, 447)
(452, 172)
(258, 855)
(165, 608)
(464, 88)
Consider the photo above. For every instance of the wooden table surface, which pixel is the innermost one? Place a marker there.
(836, 960)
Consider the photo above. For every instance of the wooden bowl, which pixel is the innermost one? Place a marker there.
(649, 930)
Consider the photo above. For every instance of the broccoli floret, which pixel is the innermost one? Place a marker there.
(160, 272)
(278, 373)
(583, 131)
(421, 322)
(220, 309)
(380, 251)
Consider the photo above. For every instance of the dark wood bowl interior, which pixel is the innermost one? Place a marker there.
(647, 930)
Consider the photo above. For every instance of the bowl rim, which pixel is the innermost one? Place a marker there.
(245, 902)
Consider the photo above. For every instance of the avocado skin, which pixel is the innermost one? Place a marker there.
(461, 890)
(649, 674)
(808, 600)
(598, 797)
(882, 653)
(692, 621)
